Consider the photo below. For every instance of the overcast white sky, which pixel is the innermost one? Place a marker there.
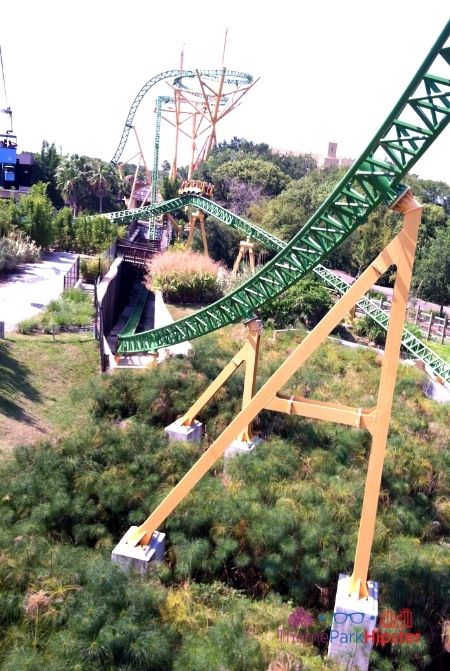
(330, 70)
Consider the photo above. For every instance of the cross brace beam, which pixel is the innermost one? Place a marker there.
(400, 251)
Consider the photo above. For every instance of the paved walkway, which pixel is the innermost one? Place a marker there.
(26, 292)
(387, 291)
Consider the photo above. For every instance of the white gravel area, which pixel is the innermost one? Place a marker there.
(27, 291)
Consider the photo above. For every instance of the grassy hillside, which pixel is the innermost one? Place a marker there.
(246, 547)
(38, 377)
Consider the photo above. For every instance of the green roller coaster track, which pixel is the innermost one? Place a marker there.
(231, 77)
(416, 121)
(412, 344)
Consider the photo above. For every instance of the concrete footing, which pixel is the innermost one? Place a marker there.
(352, 629)
(137, 557)
(192, 433)
(241, 447)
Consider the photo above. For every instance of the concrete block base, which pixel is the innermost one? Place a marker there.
(241, 447)
(354, 620)
(137, 557)
(192, 433)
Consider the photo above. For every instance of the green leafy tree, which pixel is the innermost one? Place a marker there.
(63, 229)
(9, 215)
(35, 213)
(295, 165)
(430, 191)
(304, 303)
(45, 169)
(287, 213)
(432, 272)
(253, 171)
(169, 187)
(94, 234)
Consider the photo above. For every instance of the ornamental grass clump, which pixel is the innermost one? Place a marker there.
(17, 248)
(185, 276)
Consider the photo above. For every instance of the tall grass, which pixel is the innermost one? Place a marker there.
(184, 276)
(72, 309)
(17, 248)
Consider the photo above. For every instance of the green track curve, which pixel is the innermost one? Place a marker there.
(412, 344)
(419, 117)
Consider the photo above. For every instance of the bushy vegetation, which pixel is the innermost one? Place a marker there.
(368, 327)
(245, 547)
(94, 234)
(184, 276)
(72, 309)
(303, 304)
(34, 217)
(90, 269)
(16, 248)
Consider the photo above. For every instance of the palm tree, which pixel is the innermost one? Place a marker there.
(71, 180)
(102, 178)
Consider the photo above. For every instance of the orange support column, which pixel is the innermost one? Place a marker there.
(412, 211)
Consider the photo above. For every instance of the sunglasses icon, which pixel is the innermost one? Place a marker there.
(340, 618)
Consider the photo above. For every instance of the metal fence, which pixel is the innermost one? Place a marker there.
(432, 326)
(73, 275)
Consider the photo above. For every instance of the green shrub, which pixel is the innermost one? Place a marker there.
(415, 330)
(91, 268)
(73, 308)
(371, 329)
(27, 326)
(185, 276)
(94, 234)
(304, 303)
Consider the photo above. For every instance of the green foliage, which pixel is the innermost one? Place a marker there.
(287, 213)
(185, 276)
(63, 229)
(415, 330)
(90, 269)
(169, 188)
(44, 170)
(72, 309)
(16, 248)
(254, 171)
(304, 303)
(245, 547)
(432, 272)
(35, 212)
(93, 234)
(82, 180)
(223, 242)
(30, 325)
(8, 215)
(366, 326)
(294, 166)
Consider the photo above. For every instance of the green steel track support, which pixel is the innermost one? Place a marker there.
(419, 117)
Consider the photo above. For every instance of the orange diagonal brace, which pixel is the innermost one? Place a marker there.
(312, 341)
